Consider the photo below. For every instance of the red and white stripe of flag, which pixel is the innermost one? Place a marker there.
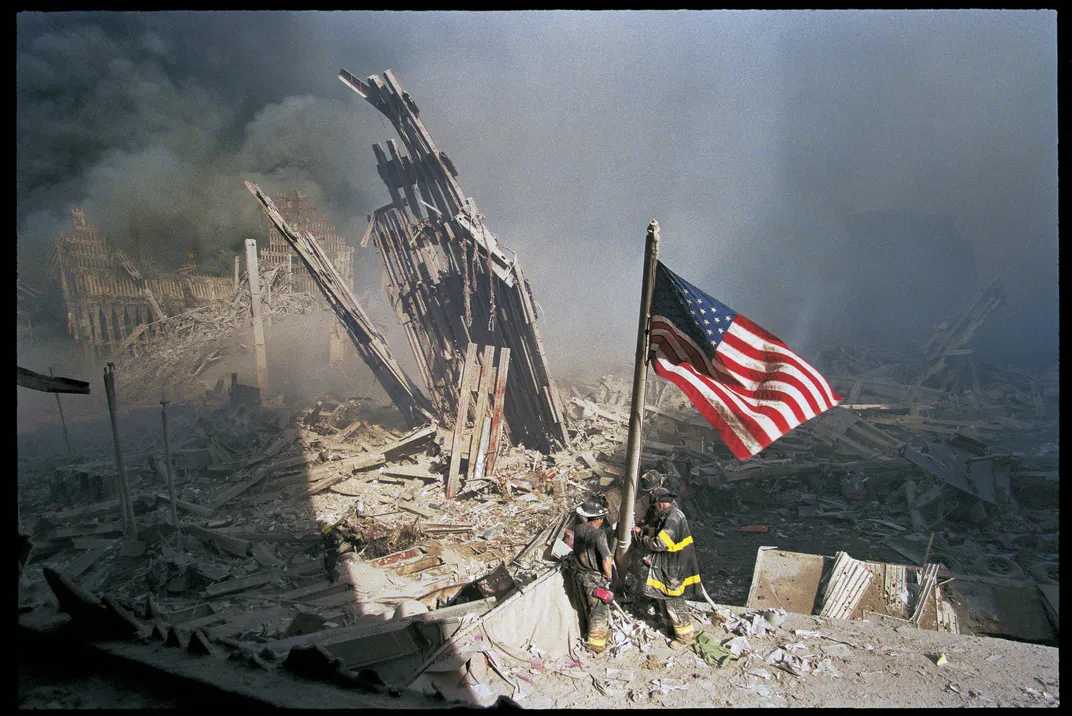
(752, 392)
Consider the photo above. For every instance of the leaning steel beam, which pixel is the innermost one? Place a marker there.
(128, 266)
(370, 344)
(945, 342)
(449, 279)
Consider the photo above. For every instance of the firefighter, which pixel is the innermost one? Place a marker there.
(673, 573)
(644, 515)
(591, 565)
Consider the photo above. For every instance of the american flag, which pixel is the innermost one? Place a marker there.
(743, 380)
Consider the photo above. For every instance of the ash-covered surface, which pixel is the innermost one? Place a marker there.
(255, 485)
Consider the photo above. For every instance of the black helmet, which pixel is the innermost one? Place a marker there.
(661, 494)
(650, 480)
(595, 506)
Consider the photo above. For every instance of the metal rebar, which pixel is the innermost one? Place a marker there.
(927, 552)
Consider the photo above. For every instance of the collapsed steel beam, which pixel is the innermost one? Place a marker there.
(450, 281)
(370, 344)
(951, 341)
(139, 280)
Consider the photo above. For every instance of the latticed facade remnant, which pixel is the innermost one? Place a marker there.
(301, 215)
(109, 303)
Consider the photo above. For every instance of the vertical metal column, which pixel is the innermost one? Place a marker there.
(167, 463)
(258, 325)
(130, 527)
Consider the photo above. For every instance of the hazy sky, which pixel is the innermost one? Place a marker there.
(832, 175)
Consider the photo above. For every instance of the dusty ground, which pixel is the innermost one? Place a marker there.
(883, 666)
(873, 665)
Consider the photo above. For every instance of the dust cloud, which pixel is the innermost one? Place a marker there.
(835, 176)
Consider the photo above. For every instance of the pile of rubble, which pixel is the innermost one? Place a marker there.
(175, 354)
(255, 487)
(260, 486)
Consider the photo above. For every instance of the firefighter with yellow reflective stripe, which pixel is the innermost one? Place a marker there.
(591, 566)
(673, 573)
(646, 514)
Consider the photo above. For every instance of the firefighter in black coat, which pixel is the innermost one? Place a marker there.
(673, 573)
(645, 514)
(591, 566)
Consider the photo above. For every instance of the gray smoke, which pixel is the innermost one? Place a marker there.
(850, 176)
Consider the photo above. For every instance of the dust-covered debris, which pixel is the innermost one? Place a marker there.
(248, 557)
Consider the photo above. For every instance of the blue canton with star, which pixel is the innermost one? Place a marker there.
(696, 314)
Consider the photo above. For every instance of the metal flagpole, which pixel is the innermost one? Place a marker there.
(636, 411)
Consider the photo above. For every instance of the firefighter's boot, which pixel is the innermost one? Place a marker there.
(597, 640)
(683, 636)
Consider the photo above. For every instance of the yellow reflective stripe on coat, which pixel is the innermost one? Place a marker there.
(673, 546)
(683, 630)
(596, 642)
(656, 584)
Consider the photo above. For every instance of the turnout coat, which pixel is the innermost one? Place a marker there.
(674, 572)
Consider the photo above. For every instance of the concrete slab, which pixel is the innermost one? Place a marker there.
(204, 680)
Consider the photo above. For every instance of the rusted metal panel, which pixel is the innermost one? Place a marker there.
(468, 378)
(487, 376)
(497, 409)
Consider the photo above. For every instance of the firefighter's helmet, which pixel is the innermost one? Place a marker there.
(595, 506)
(650, 480)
